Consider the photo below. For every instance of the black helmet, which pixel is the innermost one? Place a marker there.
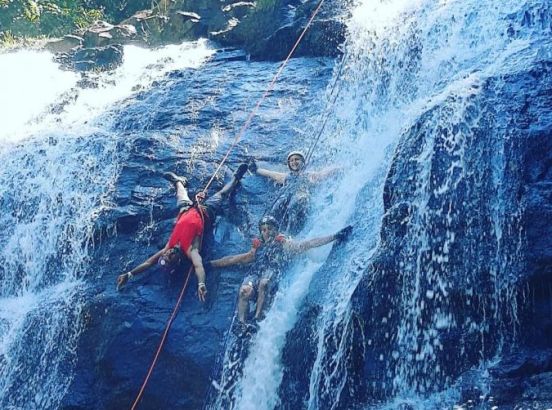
(268, 220)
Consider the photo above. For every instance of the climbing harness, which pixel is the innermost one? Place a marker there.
(225, 157)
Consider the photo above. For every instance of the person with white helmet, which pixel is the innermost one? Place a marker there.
(270, 254)
(291, 206)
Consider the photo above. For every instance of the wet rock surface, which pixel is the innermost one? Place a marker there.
(524, 194)
(123, 329)
(266, 31)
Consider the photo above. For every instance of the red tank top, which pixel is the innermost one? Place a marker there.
(188, 226)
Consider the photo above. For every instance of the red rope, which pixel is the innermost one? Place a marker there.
(163, 338)
(236, 140)
(268, 89)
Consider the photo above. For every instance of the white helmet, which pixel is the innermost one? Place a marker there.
(299, 153)
(292, 153)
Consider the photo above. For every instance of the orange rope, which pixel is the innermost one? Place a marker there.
(163, 338)
(236, 140)
(268, 89)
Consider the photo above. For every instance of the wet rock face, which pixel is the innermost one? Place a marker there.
(122, 330)
(465, 242)
(92, 58)
(267, 30)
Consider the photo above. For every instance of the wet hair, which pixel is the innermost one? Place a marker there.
(171, 258)
(268, 220)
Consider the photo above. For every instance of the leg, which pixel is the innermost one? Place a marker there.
(183, 201)
(263, 284)
(214, 203)
(180, 184)
(230, 186)
(246, 292)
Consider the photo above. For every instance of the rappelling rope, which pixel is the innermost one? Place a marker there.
(163, 338)
(328, 108)
(265, 94)
(225, 157)
(332, 100)
(169, 323)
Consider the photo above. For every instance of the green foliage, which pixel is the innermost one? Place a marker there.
(23, 18)
(117, 10)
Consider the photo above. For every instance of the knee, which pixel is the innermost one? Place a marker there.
(263, 283)
(246, 291)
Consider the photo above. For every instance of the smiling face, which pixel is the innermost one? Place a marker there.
(295, 163)
(268, 232)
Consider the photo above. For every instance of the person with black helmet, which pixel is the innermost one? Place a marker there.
(271, 252)
(291, 205)
(185, 239)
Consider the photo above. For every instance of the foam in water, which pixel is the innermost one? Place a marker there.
(402, 60)
(60, 160)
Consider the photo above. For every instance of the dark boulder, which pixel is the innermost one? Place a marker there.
(322, 39)
(497, 205)
(65, 44)
(98, 58)
(103, 34)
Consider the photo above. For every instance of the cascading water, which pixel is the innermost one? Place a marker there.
(419, 73)
(60, 159)
(420, 300)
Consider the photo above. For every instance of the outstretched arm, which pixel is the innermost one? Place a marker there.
(148, 263)
(278, 177)
(197, 261)
(239, 259)
(323, 174)
(303, 246)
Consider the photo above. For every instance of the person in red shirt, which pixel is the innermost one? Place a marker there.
(185, 239)
(270, 254)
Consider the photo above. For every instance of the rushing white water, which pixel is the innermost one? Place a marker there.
(60, 160)
(402, 58)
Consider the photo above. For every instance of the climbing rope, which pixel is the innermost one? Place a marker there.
(328, 111)
(225, 157)
(247, 123)
(163, 338)
(334, 93)
(169, 323)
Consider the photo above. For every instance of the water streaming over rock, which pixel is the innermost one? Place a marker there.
(439, 223)
(60, 160)
(429, 114)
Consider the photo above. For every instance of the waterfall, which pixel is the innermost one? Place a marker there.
(412, 83)
(60, 156)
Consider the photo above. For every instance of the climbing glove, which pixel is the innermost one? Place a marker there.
(343, 234)
(252, 165)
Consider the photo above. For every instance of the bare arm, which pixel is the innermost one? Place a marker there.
(148, 263)
(303, 246)
(323, 174)
(278, 177)
(197, 261)
(241, 258)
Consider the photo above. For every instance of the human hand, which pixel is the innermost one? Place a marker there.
(123, 279)
(201, 291)
(252, 165)
(343, 234)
